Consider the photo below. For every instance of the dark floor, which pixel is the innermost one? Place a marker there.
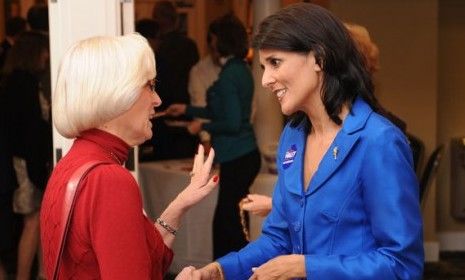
(450, 267)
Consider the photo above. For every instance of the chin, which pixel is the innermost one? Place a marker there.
(148, 136)
(287, 111)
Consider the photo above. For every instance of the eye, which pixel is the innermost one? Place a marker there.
(151, 85)
(275, 62)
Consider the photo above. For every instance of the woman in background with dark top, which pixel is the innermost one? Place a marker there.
(229, 102)
(27, 132)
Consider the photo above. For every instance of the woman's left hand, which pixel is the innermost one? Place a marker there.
(280, 268)
(194, 127)
(201, 183)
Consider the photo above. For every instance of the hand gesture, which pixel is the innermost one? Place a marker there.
(201, 182)
(257, 204)
(175, 110)
(194, 127)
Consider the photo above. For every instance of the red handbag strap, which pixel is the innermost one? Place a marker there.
(68, 207)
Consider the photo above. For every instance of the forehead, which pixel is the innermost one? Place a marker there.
(266, 55)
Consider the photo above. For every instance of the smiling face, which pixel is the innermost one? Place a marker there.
(295, 78)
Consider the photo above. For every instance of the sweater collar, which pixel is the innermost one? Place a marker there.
(113, 145)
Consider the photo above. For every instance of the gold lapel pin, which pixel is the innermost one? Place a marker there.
(335, 151)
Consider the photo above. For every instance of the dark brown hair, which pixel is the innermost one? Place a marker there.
(231, 36)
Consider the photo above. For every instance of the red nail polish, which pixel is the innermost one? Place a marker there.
(215, 179)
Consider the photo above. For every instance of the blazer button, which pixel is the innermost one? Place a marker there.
(297, 226)
(302, 202)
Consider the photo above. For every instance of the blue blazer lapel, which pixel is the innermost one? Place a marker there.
(333, 158)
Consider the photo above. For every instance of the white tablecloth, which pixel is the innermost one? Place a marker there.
(160, 183)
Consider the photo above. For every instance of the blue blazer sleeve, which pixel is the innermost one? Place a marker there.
(273, 241)
(390, 196)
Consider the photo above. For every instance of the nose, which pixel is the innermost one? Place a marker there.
(267, 79)
(156, 99)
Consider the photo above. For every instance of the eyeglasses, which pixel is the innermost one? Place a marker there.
(151, 85)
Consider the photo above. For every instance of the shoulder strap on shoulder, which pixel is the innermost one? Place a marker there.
(68, 207)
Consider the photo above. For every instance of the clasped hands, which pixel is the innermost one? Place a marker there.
(279, 268)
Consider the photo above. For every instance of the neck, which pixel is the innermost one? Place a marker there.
(112, 129)
(322, 124)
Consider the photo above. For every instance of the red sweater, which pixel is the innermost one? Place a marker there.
(109, 236)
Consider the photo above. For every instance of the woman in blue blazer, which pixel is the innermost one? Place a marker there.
(345, 205)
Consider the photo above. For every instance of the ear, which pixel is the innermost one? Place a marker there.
(314, 62)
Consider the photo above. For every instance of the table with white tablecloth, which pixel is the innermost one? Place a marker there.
(161, 181)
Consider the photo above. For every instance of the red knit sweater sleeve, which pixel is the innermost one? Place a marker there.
(126, 243)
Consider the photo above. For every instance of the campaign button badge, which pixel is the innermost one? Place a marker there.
(289, 156)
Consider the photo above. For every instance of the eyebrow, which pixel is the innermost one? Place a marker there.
(268, 59)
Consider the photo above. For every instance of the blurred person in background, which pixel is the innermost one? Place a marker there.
(176, 54)
(229, 105)
(150, 29)
(201, 77)
(27, 132)
(13, 27)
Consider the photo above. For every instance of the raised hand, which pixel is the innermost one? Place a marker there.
(202, 183)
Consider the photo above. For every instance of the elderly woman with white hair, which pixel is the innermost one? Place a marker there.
(104, 98)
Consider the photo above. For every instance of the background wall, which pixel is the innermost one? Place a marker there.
(406, 34)
(451, 112)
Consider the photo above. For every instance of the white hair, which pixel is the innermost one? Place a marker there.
(99, 79)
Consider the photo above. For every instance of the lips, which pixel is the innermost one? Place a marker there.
(280, 93)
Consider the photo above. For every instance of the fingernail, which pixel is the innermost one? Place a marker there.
(216, 178)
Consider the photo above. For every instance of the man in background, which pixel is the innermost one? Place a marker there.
(175, 56)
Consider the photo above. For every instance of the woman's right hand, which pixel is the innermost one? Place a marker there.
(257, 204)
(201, 183)
(176, 110)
